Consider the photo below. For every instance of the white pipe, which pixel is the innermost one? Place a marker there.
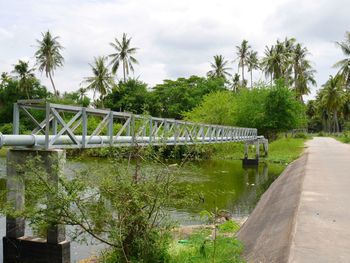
(39, 140)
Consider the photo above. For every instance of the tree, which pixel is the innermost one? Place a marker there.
(123, 55)
(270, 110)
(267, 62)
(174, 97)
(48, 56)
(131, 96)
(235, 82)
(252, 64)
(332, 97)
(303, 72)
(102, 80)
(24, 75)
(242, 55)
(219, 69)
(344, 64)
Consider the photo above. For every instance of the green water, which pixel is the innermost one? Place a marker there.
(222, 183)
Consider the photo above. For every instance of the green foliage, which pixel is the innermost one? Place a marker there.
(131, 96)
(6, 128)
(200, 249)
(282, 111)
(286, 150)
(123, 207)
(217, 107)
(10, 93)
(269, 109)
(175, 97)
(229, 226)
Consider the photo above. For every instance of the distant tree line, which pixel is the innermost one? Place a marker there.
(285, 62)
(330, 110)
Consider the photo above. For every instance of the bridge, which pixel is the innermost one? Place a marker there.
(66, 126)
(56, 127)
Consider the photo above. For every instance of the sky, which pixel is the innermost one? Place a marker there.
(174, 38)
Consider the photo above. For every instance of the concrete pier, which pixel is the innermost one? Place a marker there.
(16, 246)
(304, 216)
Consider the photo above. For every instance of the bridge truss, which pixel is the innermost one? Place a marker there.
(65, 126)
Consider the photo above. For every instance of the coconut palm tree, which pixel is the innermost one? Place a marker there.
(303, 71)
(82, 93)
(275, 62)
(48, 56)
(242, 52)
(102, 80)
(332, 97)
(24, 75)
(235, 82)
(267, 63)
(123, 55)
(289, 48)
(252, 64)
(5, 78)
(219, 69)
(344, 64)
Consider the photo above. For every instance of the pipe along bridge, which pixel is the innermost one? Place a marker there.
(56, 127)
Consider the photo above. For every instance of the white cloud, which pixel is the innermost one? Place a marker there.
(176, 38)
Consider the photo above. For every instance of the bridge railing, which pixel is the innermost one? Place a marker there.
(66, 126)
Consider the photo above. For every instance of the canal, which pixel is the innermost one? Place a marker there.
(220, 183)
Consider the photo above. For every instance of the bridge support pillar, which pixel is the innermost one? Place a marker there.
(257, 142)
(16, 246)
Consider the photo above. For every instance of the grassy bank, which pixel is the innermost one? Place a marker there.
(282, 150)
(286, 150)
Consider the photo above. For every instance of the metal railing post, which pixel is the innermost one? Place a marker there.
(84, 127)
(15, 119)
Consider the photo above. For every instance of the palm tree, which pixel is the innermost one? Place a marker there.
(235, 82)
(252, 63)
(267, 63)
(332, 97)
(303, 71)
(344, 64)
(275, 63)
(102, 80)
(24, 75)
(219, 69)
(123, 55)
(242, 55)
(5, 78)
(48, 56)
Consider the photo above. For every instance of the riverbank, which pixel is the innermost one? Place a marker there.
(303, 216)
(282, 150)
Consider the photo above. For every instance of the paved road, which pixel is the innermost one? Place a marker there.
(322, 229)
(304, 216)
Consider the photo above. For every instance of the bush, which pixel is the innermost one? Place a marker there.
(6, 128)
(300, 135)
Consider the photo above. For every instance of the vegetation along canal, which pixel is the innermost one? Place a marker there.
(217, 183)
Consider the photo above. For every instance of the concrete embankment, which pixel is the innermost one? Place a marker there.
(305, 214)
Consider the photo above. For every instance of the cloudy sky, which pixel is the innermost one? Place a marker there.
(175, 38)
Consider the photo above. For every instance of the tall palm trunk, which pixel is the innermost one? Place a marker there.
(336, 124)
(124, 71)
(242, 73)
(27, 93)
(53, 84)
(251, 79)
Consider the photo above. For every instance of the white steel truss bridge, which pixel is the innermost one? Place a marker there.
(56, 126)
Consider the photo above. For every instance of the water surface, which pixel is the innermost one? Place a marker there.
(224, 184)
